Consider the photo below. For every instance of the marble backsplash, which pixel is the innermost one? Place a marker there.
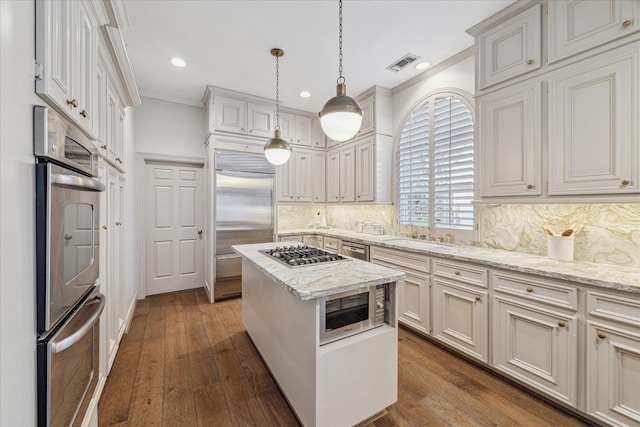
(611, 232)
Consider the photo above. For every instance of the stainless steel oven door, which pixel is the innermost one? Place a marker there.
(67, 212)
(346, 314)
(68, 363)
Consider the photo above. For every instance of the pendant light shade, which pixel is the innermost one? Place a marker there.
(341, 116)
(276, 150)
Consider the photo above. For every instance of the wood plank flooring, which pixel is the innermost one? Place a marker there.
(185, 362)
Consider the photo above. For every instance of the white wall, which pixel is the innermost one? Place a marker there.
(163, 127)
(17, 215)
(459, 75)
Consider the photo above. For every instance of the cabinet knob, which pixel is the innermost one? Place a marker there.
(529, 186)
(68, 237)
(72, 102)
(104, 147)
(562, 324)
(250, 130)
(529, 62)
(118, 223)
(104, 226)
(200, 232)
(242, 130)
(84, 113)
(478, 298)
(358, 196)
(624, 182)
(529, 289)
(457, 273)
(601, 335)
(626, 23)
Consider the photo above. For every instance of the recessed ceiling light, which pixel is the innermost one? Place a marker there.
(305, 94)
(178, 62)
(423, 65)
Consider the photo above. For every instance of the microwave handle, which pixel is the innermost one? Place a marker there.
(77, 181)
(58, 346)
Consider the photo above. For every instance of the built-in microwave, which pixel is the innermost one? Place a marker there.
(352, 312)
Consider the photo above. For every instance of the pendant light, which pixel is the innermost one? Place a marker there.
(276, 150)
(341, 116)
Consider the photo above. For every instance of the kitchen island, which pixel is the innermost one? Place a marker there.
(339, 383)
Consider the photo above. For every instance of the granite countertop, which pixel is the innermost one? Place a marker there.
(616, 277)
(314, 281)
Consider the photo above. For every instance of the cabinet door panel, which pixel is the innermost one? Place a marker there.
(461, 318)
(365, 172)
(594, 122)
(347, 174)
(537, 346)
(333, 176)
(613, 367)
(575, 26)
(368, 116)
(284, 183)
(230, 115)
(303, 176)
(510, 137)
(413, 302)
(319, 140)
(260, 121)
(302, 131)
(319, 180)
(287, 126)
(510, 48)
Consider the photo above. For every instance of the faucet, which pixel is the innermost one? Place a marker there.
(449, 238)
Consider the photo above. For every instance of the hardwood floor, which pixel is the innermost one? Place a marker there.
(186, 362)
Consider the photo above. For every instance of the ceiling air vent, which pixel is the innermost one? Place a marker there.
(402, 62)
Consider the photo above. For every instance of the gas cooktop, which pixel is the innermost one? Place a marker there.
(301, 255)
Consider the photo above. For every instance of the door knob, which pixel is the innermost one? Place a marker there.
(200, 232)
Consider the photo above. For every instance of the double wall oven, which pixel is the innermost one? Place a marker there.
(69, 302)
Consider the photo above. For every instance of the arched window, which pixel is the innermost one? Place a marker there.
(436, 166)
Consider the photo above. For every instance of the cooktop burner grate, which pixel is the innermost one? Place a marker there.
(301, 255)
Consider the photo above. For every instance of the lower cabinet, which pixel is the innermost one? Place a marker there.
(613, 359)
(534, 340)
(313, 240)
(414, 293)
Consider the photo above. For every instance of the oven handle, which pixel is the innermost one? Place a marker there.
(77, 181)
(58, 346)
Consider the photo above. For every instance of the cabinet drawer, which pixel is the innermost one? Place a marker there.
(331, 244)
(536, 289)
(400, 259)
(614, 307)
(465, 273)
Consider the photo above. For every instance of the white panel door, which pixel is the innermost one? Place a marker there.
(174, 219)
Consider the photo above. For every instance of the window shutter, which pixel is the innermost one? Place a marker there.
(436, 165)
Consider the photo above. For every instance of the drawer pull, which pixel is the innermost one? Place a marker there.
(84, 113)
(529, 289)
(601, 335)
(104, 147)
(625, 182)
(104, 226)
(562, 324)
(529, 186)
(478, 298)
(73, 103)
(457, 273)
(625, 24)
(529, 62)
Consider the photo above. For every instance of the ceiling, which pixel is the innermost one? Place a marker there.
(227, 44)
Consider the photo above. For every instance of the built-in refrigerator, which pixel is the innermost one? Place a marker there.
(244, 209)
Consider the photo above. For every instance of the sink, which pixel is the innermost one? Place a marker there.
(420, 244)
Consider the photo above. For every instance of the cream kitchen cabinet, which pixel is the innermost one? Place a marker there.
(365, 170)
(613, 358)
(511, 141)
(576, 26)
(66, 45)
(260, 120)
(296, 129)
(331, 245)
(114, 126)
(368, 116)
(414, 293)
(230, 115)
(508, 49)
(333, 176)
(298, 180)
(348, 174)
(319, 138)
(319, 167)
(535, 333)
(594, 125)
(461, 307)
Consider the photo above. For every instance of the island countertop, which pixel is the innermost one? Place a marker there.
(314, 281)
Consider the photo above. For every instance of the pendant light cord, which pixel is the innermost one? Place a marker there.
(277, 93)
(341, 79)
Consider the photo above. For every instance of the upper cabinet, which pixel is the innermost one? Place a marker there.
(319, 138)
(510, 48)
(261, 120)
(576, 26)
(594, 124)
(230, 115)
(565, 127)
(66, 45)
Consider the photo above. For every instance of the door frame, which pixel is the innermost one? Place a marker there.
(142, 160)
